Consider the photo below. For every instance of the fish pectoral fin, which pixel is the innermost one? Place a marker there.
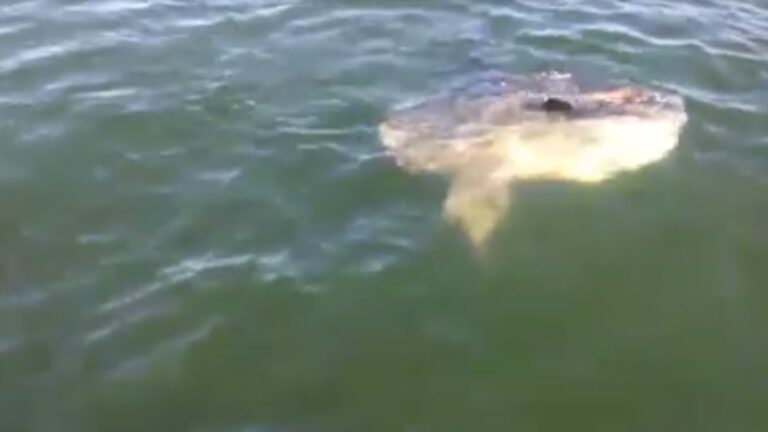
(476, 204)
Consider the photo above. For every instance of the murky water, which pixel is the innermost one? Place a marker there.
(200, 232)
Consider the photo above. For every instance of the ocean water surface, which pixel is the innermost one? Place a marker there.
(200, 230)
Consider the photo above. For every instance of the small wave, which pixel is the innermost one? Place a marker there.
(169, 347)
(175, 274)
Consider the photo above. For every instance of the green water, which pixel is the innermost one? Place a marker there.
(199, 230)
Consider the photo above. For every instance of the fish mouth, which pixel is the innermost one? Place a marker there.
(394, 136)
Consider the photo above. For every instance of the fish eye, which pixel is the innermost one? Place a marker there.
(556, 105)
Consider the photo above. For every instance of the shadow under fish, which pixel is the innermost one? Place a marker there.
(540, 126)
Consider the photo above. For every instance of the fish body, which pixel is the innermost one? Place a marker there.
(488, 136)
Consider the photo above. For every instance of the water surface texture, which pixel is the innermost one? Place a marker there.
(200, 230)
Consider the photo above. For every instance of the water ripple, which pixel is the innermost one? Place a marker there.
(173, 275)
(160, 159)
(171, 346)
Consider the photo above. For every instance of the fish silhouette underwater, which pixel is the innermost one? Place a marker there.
(488, 136)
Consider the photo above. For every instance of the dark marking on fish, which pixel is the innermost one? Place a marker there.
(556, 105)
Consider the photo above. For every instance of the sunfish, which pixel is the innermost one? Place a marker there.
(487, 136)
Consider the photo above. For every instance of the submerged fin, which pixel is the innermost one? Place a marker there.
(476, 204)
